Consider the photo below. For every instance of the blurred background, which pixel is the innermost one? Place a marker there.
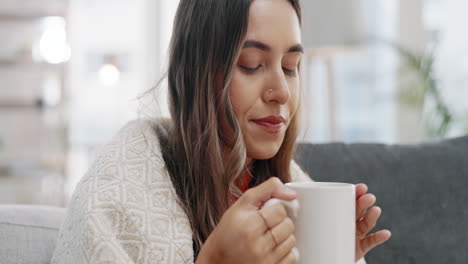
(72, 72)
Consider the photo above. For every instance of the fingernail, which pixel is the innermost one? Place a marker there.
(379, 210)
(295, 252)
(289, 191)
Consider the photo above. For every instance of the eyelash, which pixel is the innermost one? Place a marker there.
(250, 70)
(253, 70)
(290, 72)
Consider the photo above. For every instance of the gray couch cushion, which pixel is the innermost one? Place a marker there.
(28, 233)
(422, 190)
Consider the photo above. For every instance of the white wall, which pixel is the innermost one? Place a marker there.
(449, 20)
(139, 28)
(410, 127)
(100, 27)
(441, 22)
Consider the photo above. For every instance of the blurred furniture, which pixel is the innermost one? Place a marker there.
(421, 189)
(28, 233)
(27, 183)
(33, 109)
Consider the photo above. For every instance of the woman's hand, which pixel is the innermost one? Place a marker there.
(246, 234)
(365, 223)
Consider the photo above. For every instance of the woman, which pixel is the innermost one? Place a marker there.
(189, 189)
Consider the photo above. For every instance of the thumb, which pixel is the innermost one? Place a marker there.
(272, 188)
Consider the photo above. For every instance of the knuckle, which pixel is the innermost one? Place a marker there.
(276, 181)
(281, 211)
(290, 258)
(272, 259)
(290, 224)
(374, 240)
(366, 224)
(363, 229)
(293, 240)
(366, 246)
(245, 234)
(246, 196)
(359, 232)
(370, 224)
(290, 242)
(258, 251)
(253, 245)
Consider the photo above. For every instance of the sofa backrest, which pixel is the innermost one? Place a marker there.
(28, 233)
(422, 190)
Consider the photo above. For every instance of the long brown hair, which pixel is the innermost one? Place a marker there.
(205, 43)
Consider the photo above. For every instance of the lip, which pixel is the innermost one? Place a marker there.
(271, 124)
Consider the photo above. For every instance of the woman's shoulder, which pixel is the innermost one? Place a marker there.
(133, 155)
(126, 192)
(138, 135)
(133, 146)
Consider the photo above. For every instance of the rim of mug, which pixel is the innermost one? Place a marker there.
(320, 185)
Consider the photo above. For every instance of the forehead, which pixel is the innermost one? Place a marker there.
(274, 22)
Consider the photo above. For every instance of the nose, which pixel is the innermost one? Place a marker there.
(276, 88)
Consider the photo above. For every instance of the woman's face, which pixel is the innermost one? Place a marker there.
(264, 89)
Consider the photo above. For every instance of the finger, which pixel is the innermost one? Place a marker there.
(361, 189)
(368, 222)
(374, 240)
(271, 238)
(292, 207)
(282, 231)
(274, 214)
(363, 203)
(283, 250)
(290, 258)
(272, 188)
(257, 224)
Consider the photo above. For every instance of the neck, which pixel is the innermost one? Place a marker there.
(248, 160)
(249, 165)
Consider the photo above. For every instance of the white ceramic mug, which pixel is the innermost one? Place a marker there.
(325, 219)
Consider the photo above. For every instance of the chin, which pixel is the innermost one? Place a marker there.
(262, 152)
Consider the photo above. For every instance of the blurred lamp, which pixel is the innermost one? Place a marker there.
(109, 74)
(53, 46)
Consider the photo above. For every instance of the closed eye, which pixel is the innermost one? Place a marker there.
(250, 70)
(289, 72)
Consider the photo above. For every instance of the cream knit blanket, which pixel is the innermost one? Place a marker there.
(124, 209)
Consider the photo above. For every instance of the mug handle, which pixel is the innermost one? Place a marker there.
(292, 209)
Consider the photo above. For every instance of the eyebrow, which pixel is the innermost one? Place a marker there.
(265, 47)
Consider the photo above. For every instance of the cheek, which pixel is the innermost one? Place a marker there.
(295, 97)
(242, 94)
